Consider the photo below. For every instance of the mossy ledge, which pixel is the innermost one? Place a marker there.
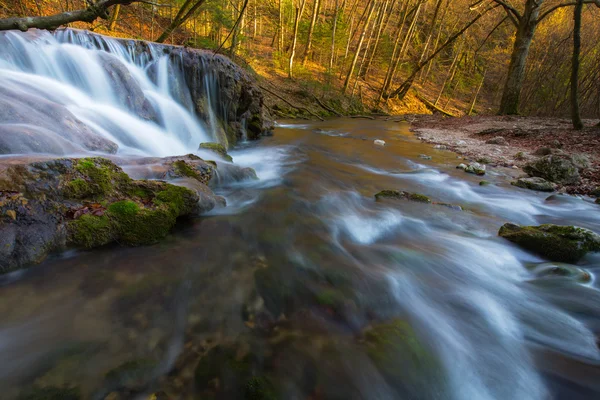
(51, 204)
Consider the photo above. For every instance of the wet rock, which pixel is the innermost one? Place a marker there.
(473, 168)
(400, 355)
(425, 157)
(88, 202)
(535, 183)
(554, 242)
(50, 393)
(399, 194)
(216, 148)
(498, 140)
(461, 166)
(543, 151)
(230, 173)
(379, 142)
(555, 168)
(562, 270)
(484, 183)
(440, 147)
(131, 376)
(520, 156)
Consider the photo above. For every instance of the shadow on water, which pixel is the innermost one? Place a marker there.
(305, 287)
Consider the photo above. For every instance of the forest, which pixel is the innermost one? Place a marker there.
(461, 56)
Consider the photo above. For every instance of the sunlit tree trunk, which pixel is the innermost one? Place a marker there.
(311, 28)
(113, 18)
(575, 113)
(333, 32)
(299, 11)
(371, 7)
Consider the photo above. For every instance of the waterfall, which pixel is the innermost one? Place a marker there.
(73, 92)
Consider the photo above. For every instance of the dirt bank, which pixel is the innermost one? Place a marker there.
(521, 138)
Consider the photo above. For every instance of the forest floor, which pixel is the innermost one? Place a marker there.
(523, 138)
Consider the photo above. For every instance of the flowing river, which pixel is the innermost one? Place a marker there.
(487, 320)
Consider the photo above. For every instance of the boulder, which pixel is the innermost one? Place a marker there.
(535, 183)
(554, 242)
(51, 204)
(561, 270)
(475, 168)
(555, 168)
(498, 140)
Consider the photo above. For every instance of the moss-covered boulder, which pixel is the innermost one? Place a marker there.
(554, 242)
(50, 393)
(535, 183)
(51, 204)
(216, 148)
(402, 358)
(556, 168)
(399, 194)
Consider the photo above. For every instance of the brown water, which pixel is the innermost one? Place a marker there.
(495, 328)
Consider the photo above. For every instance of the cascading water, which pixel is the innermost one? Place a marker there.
(73, 92)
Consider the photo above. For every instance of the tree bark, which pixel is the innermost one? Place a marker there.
(94, 11)
(575, 113)
(311, 29)
(371, 6)
(113, 17)
(182, 15)
(335, 18)
(527, 24)
(403, 89)
(299, 11)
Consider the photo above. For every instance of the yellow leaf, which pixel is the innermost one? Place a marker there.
(12, 214)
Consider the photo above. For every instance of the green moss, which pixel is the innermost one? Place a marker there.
(259, 388)
(397, 352)
(50, 393)
(182, 168)
(99, 177)
(484, 183)
(330, 298)
(419, 197)
(178, 199)
(138, 226)
(217, 148)
(132, 374)
(398, 194)
(78, 188)
(91, 231)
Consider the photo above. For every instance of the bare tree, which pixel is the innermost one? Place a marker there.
(299, 12)
(575, 113)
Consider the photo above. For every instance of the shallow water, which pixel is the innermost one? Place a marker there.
(495, 328)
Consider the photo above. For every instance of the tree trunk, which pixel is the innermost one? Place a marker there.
(333, 32)
(311, 29)
(299, 11)
(516, 70)
(476, 94)
(403, 89)
(183, 15)
(382, 22)
(113, 18)
(371, 7)
(575, 113)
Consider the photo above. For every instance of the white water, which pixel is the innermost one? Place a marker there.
(49, 76)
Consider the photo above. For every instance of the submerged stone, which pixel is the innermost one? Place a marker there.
(554, 242)
(399, 194)
(535, 183)
(562, 270)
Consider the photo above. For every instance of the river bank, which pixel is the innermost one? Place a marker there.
(511, 141)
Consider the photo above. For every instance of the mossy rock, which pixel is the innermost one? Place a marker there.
(399, 354)
(535, 183)
(132, 375)
(50, 393)
(146, 217)
(94, 177)
(259, 388)
(555, 168)
(484, 183)
(554, 242)
(217, 148)
(398, 194)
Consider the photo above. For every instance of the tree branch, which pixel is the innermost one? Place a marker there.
(89, 14)
(569, 4)
(509, 9)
